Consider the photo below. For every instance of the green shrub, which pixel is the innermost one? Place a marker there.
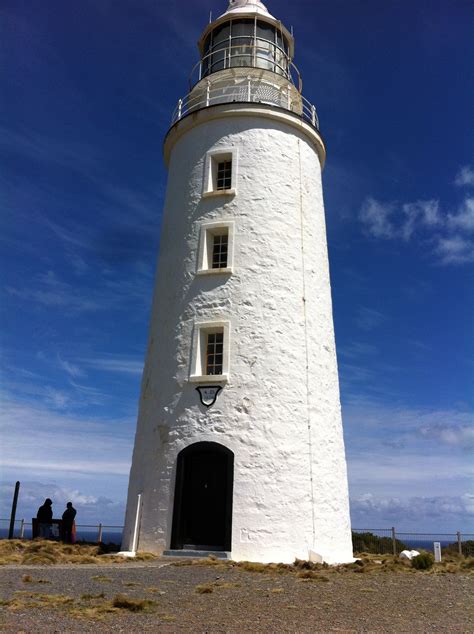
(375, 545)
(423, 561)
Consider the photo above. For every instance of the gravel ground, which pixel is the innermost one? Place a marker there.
(236, 600)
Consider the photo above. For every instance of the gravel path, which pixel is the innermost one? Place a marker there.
(235, 601)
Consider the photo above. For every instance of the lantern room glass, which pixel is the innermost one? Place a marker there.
(246, 43)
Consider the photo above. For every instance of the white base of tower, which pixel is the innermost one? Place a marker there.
(278, 413)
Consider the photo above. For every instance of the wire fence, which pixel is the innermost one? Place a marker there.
(380, 541)
(92, 533)
(389, 541)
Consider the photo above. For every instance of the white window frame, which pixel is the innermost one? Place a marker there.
(213, 157)
(207, 231)
(198, 358)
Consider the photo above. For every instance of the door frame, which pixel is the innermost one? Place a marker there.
(177, 540)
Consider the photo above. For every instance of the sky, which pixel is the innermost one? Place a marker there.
(87, 93)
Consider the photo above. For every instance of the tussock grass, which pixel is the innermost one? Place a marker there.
(123, 602)
(44, 552)
(204, 588)
(23, 599)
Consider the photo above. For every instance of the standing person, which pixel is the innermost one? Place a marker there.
(44, 518)
(68, 523)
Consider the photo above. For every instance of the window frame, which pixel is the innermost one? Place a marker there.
(207, 231)
(212, 160)
(199, 351)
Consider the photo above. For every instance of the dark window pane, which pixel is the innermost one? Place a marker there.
(224, 175)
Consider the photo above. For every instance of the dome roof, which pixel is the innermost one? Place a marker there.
(247, 6)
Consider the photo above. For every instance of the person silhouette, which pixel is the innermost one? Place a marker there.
(44, 517)
(68, 523)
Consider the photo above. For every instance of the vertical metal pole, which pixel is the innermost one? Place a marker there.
(208, 90)
(22, 529)
(180, 108)
(394, 542)
(12, 516)
(99, 536)
(459, 542)
(137, 524)
(249, 90)
(313, 115)
(200, 71)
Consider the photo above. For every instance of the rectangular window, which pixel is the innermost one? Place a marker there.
(220, 172)
(210, 352)
(219, 251)
(216, 248)
(215, 353)
(224, 175)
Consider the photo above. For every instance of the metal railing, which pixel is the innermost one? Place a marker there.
(381, 541)
(246, 55)
(248, 90)
(389, 541)
(94, 533)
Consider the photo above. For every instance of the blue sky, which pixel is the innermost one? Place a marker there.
(87, 94)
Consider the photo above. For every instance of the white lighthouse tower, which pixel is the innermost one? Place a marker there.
(239, 446)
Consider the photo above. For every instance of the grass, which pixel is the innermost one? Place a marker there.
(44, 552)
(132, 605)
(204, 588)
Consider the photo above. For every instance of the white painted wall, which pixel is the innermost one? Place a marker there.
(280, 410)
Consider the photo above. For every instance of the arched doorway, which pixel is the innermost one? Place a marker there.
(202, 513)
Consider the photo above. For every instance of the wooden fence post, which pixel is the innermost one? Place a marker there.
(394, 542)
(459, 542)
(99, 536)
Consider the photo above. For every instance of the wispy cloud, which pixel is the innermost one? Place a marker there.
(70, 368)
(455, 250)
(450, 234)
(465, 176)
(104, 292)
(113, 363)
(369, 318)
(38, 439)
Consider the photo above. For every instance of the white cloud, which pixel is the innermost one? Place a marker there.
(439, 513)
(464, 219)
(419, 213)
(455, 250)
(111, 363)
(465, 176)
(376, 217)
(70, 368)
(450, 434)
(91, 509)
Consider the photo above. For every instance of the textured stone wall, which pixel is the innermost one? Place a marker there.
(280, 411)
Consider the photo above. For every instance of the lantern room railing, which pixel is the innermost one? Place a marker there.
(246, 90)
(245, 56)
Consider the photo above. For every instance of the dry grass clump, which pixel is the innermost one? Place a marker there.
(204, 588)
(132, 605)
(44, 552)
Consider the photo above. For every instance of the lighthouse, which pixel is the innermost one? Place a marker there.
(239, 444)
